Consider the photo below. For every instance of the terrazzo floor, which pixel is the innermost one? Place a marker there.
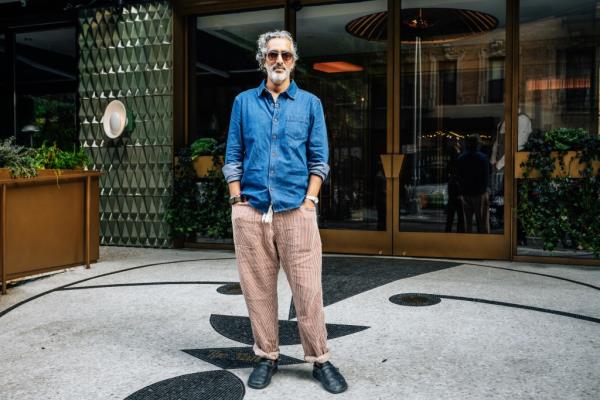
(172, 324)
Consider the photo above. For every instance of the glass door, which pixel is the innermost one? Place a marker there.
(348, 71)
(451, 132)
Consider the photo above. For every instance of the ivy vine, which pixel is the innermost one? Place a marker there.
(215, 210)
(561, 209)
(183, 211)
(206, 211)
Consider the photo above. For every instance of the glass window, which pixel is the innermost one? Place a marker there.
(558, 88)
(447, 82)
(496, 80)
(5, 92)
(225, 65)
(346, 67)
(46, 84)
(451, 121)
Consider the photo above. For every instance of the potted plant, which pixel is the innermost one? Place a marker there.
(50, 210)
(563, 151)
(207, 155)
(559, 189)
(183, 211)
(199, 205)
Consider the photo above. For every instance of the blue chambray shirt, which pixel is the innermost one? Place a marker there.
(273, 147)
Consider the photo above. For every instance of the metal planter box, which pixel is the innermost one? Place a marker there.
(48, 222)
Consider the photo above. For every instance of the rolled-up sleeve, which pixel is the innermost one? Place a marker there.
(318, 148)
(234, 154)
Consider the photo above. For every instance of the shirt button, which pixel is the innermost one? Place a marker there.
(273, 154)
(274, 137)
(275, 120)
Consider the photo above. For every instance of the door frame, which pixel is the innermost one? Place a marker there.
(461, 245)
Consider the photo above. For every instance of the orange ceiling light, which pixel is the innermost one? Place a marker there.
(333, 67)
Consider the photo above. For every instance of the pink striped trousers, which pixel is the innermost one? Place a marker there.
(292, 238)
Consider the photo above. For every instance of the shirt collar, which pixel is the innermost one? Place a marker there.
(290, 91)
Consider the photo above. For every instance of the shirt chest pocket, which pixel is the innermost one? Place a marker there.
(296, 127)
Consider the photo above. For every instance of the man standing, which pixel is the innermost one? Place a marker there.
(275, 163)
(473, 174)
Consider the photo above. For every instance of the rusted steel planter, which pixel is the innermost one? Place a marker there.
(48, 222)
(573, 168)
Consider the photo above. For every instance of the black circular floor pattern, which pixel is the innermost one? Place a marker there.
(415, 299)
(209, 385)
(230, 288)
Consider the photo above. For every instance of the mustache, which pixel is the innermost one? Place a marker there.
(278, 66)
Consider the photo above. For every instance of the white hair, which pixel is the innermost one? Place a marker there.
(263, 40)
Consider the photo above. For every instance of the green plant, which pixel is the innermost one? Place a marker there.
(206, 147)
(182, 211)
(52, 157)
(214, 219)
(203, 147)
(18, 159)
(561, 209)
(206, 212)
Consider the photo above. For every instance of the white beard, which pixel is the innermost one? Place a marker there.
(278, 77)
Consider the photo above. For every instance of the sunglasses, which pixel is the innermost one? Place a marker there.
(272, 55)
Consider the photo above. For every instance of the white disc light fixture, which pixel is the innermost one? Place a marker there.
(114, 120)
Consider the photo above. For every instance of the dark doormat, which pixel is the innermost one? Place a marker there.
(209, 385)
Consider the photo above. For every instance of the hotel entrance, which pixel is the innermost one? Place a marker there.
(403, 88)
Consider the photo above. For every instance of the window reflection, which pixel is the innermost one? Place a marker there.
(452, 84)
(348, 73)
(5, 92)
(46, 84)
(225, 46)
(558, 85)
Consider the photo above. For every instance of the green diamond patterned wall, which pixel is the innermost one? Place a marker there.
(129, 57)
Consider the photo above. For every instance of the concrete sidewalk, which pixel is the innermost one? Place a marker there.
(171, 324)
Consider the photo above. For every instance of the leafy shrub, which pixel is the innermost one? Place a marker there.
(23, 162)
(18, 159)
(51, 157)
(562, 209)
(183, 211)
(206, 147)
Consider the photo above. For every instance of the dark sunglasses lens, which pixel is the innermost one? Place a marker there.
(272, 56)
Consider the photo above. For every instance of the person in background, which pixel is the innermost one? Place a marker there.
(473, 174)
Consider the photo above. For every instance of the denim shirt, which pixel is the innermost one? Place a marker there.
(273, 147)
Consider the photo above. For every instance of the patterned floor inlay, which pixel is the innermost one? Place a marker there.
(415, 299)
(209, 385)
(231, 288)
(344, 277)
(235, 357)
(239, 329)
(420, 297)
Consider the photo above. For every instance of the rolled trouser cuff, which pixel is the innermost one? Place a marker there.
(320, 359)
(271, 356)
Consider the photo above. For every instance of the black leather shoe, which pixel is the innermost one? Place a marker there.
(330, 378)
(262, 373)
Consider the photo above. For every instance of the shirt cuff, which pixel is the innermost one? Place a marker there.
(319, 169)
(232, 172)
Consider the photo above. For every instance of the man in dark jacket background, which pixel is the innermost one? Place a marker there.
(473, 174)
